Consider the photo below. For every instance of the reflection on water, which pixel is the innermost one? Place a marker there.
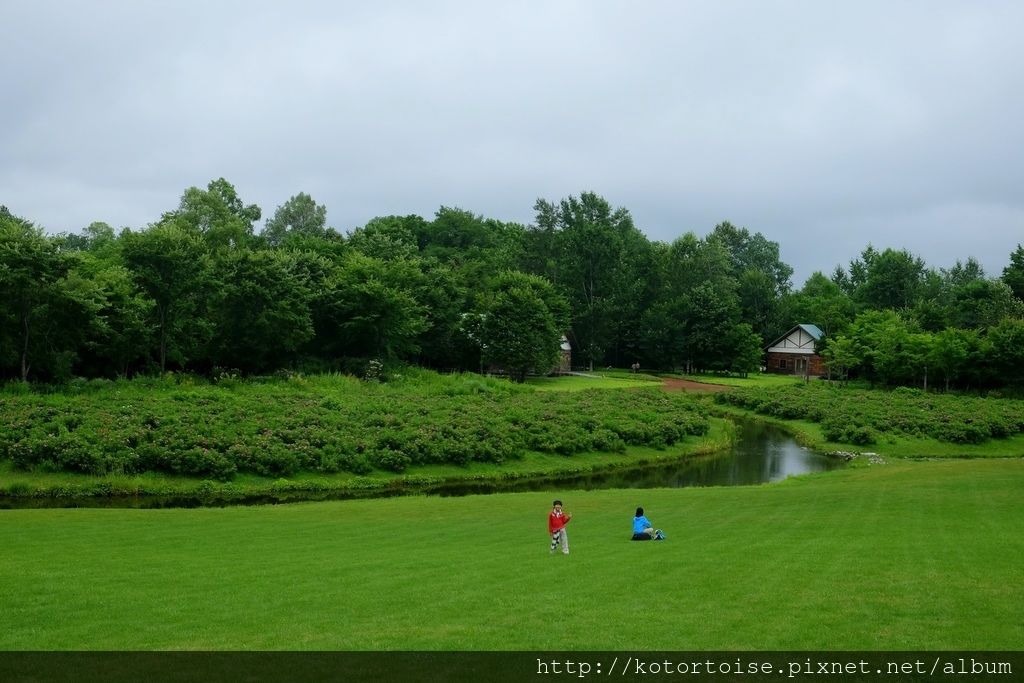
(762, 453)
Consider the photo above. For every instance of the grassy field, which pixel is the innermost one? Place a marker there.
(912, 555)
(606, 380)
(753, 380)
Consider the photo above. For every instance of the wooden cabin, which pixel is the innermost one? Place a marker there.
(793, 353)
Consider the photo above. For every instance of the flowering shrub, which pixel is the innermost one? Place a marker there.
(859, 415)
(278, 427)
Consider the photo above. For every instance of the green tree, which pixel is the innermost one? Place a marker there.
(170, 264)
(522, 323)
(299, 216)
(367, 308)
(590, 244)
(1007, 351)
(662, 333)
(820, 302)
(762, 277)
(217, 213)
(261, 310)
(746, 349)
(950, 351)
(1013, 274)
(44, 313)
(842, 354)
(710, 321)
(978, 304)
(891, 279)
(120, 334)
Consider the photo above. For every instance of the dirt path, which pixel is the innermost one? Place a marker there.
(689, 385)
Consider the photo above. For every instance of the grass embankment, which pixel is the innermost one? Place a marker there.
(604, 379)
(757, 379)
(901, 423)
(911, 555)
(332, 434)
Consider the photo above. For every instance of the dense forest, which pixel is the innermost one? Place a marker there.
(201, 290)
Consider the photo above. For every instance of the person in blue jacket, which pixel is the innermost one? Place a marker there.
(643, 530)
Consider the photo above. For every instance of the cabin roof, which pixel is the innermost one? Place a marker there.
(812, 331)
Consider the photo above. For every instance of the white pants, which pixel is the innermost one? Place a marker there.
(562, 537)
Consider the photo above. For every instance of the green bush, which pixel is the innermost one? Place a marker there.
(859, 415)
(333, 423)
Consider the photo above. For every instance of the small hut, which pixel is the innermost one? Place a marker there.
(794, 353)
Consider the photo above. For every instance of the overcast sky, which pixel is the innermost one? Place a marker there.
(824, 126)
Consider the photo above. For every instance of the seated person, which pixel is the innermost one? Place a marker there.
(643, 530)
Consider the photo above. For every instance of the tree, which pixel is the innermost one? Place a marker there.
(388, 237)
(1007, 351)
(978, 304)
(1013, 274)
(661, 335)
(300, 215)
(43, 313)
(753, 253)
(710, 319)
(890, 279)
(950, 351)
(590, 238)
(217, 213)
(367, 308)
(820, 302)
(522, 322)
(842, 354)
(170, 265)
(120, 334)
(261, 310)
(745, 348)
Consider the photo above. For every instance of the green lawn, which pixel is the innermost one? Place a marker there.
(911, 555)
(598, 381)
(753, 380)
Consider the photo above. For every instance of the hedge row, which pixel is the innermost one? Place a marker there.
(859, 415)
(327, 425)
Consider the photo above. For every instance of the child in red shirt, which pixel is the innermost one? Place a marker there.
(556, 527)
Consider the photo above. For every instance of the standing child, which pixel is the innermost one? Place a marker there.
(556, 527)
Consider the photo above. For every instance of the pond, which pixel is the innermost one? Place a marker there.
(762, 453)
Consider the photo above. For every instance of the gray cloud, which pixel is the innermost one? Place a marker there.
(823, 127)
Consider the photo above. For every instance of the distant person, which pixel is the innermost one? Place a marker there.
(556, 527)
(643, 530)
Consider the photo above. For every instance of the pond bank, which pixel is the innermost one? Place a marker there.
(42, 490)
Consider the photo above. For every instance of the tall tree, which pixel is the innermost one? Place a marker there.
(521, 324)
(1013, 274)
(41, 309)
(890, 279)
(299, 216)
(170, 264)
(217, 213)
(820, 302)
(367, 308)
(590, 239)
(261, 310)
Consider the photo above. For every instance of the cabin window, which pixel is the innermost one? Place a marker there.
(782, 364)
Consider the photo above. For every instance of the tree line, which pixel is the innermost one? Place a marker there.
(201, 290)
